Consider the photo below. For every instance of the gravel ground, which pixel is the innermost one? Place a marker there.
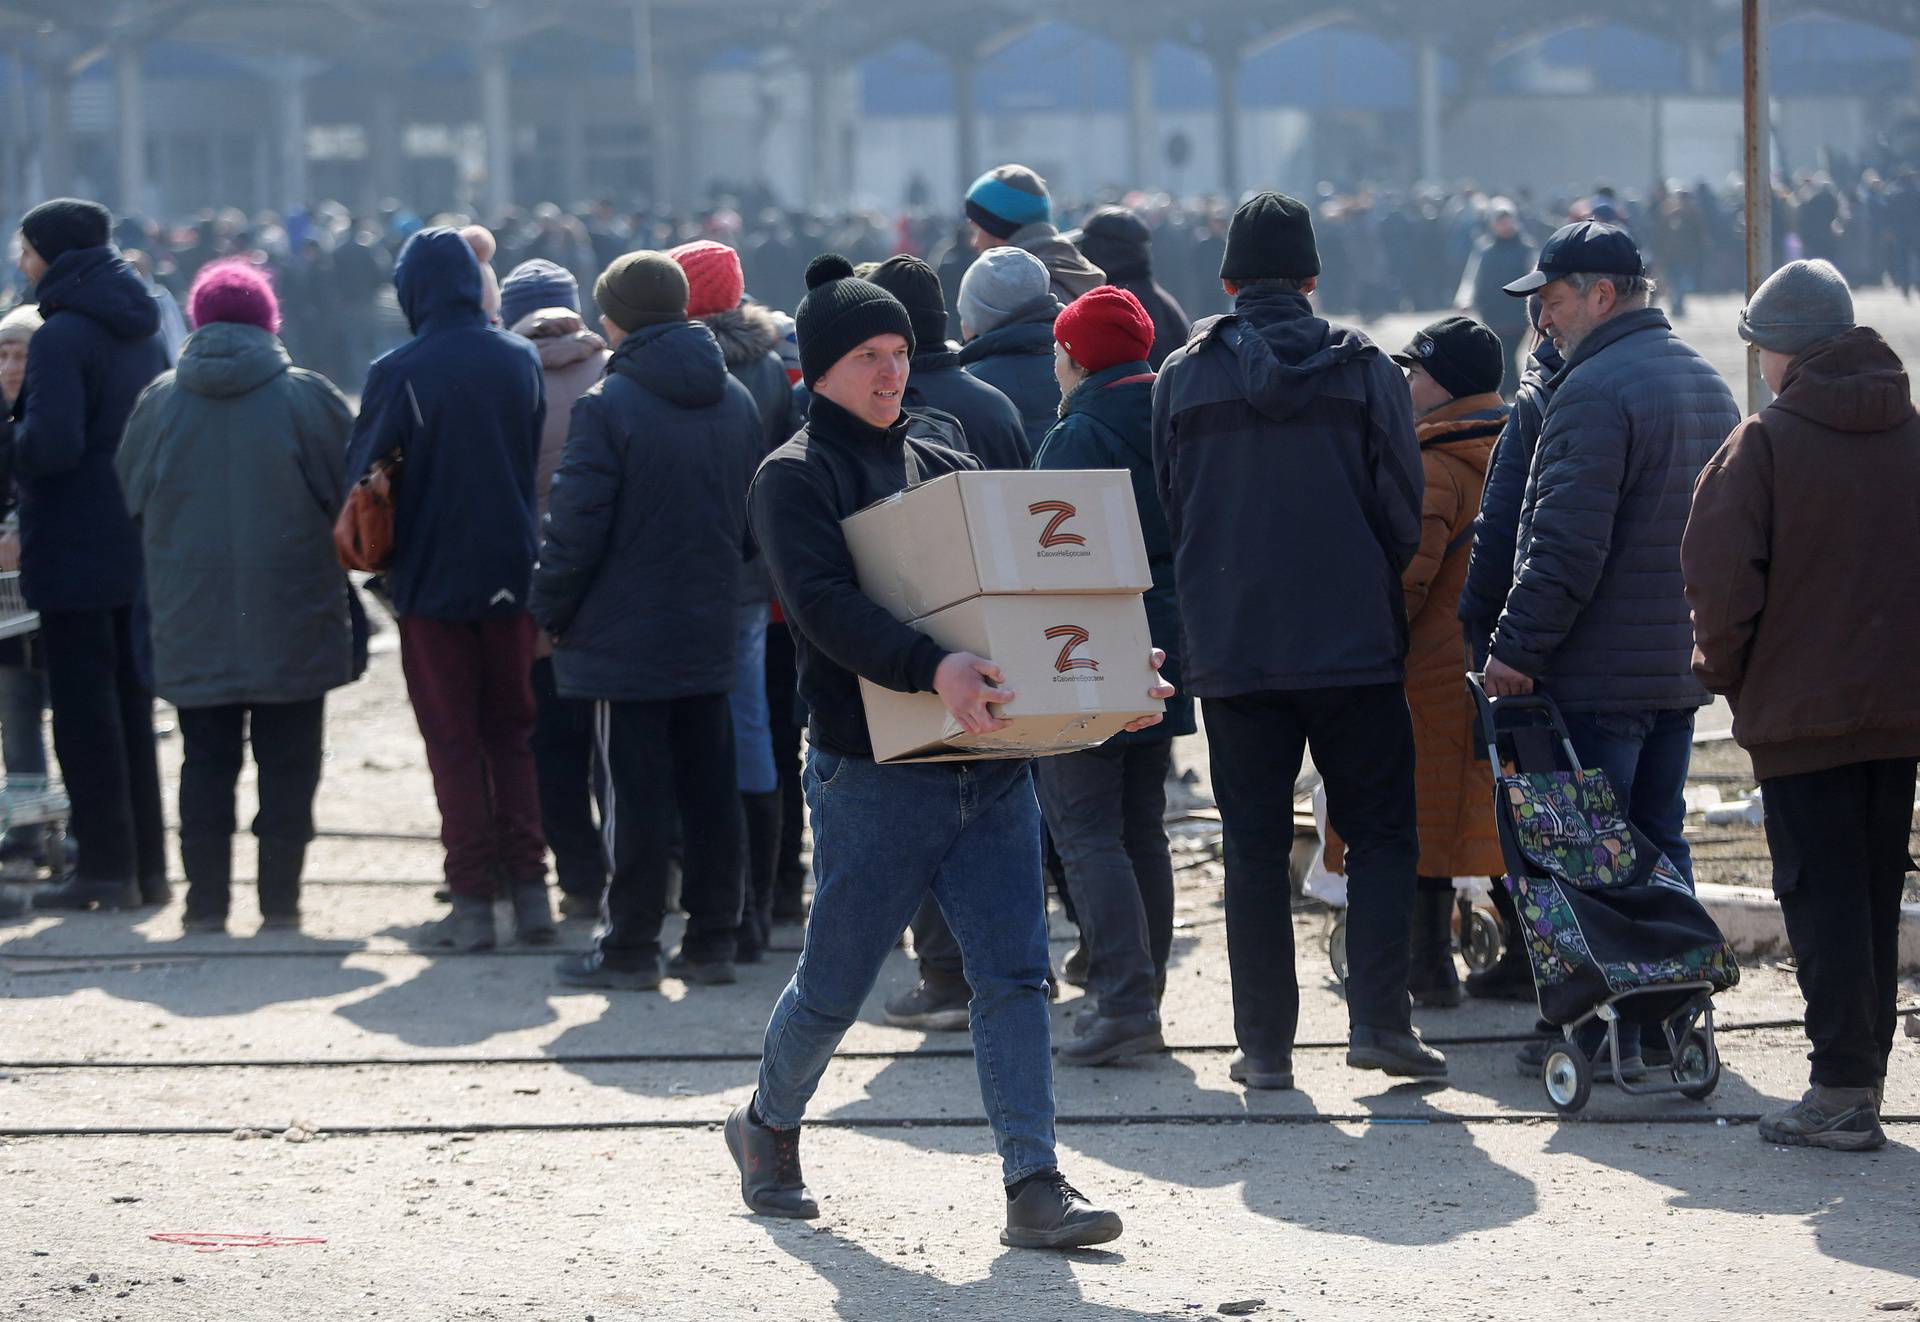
(468, 1141)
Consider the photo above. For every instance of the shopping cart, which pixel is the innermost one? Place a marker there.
(1612, 930)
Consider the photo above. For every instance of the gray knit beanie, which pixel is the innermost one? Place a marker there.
(1799, 304)
(1001, 283)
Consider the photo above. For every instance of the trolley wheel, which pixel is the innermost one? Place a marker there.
(1691, 1066)
(1337, 946)
(1480, 940)
(1568, 1076)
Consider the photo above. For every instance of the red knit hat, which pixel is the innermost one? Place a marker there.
(714, 281)
(237, 291)
(1103, 328)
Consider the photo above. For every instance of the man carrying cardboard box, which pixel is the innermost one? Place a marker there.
(885, 835)
(1285, 456)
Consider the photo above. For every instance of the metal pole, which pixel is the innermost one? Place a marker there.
(129, 129)
(1759, 175)
(1427, 80)
(1140, 162)
(1226, 72)
(966, 117)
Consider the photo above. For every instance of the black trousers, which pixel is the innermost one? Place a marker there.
(784, 723)
(1840, 846)
(670, 761)
(563, 760)
(287, 739)
(1362, 742)
(1106, 810)
(103, 735)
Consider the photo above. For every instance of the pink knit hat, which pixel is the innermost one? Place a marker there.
(235, 291)
(714, 281)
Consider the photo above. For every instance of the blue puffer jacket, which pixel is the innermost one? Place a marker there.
(1490, 567)
(85, 368)
(1017, 359)
(1286, 461)
(1598, 612)
(646, 528)
(1107, 422)
(464, 402)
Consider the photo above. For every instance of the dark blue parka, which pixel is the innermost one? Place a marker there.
(1107, 422)
(464, 402)
(85, 368)
(1017, 360)
(646, 529)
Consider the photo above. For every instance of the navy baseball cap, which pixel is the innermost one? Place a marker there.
(1585, 245)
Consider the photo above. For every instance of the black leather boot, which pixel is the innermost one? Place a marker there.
(208, 860)
(762, 813)
(1431, 977)
(1511, 977)
(281, 863)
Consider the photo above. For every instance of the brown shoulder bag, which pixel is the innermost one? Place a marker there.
(363, 534)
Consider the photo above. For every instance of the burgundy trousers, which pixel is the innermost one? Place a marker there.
(470, 682)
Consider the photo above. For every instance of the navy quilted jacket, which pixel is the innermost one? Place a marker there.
(1598, 611)
(1490, 569)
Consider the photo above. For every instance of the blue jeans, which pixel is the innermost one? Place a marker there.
(1645, 755)
(753, 767)
(883, 836)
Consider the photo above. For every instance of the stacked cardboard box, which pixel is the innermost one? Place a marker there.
(1041, 573)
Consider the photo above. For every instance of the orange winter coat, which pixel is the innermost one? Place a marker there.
(1455, 792)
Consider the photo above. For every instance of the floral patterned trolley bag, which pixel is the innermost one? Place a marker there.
(1612, 929)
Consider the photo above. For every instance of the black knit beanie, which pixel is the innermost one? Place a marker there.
(840, 313)
(1271, 238)
(64, 225)
(914, 283)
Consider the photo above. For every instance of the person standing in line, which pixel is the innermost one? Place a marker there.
(1453, 375)
(23, 683)
(1489, 578)
(748, 335)
(1106, 807)
(80, 566)
(1272, 399)
(540, 301)
(1009, 206)
(1006, 322)
(1802, 562)
(463, 403)
(233, 468)
(637, 583)
(1117, 241)
(1597, 614)
(885, 835)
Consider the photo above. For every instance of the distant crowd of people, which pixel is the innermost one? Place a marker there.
(606, 494)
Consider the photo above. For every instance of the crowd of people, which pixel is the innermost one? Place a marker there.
(604, 503)
(1386, 250)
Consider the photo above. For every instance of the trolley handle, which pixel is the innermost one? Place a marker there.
(1491, 707)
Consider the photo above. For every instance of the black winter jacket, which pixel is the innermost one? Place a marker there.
(1017, 360)
(836, 465)
(1124, 250)
(996, 434)
(85, 368)
(646, 526)
(1490, 566)
(747, 336)
(1598, 612)
(1285, 455)
(464, 401)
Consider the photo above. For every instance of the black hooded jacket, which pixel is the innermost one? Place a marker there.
(647, 523)
(1285, 456)
(85, 369)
